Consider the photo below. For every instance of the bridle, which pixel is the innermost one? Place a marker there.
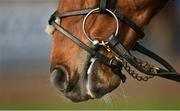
(121, 57)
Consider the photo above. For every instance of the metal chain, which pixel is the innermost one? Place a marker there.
(134, 74)
(144, 64)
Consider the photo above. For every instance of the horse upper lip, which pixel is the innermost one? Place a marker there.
(72, 84)
(86, 85)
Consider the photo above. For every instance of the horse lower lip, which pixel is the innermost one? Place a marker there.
(89, 92)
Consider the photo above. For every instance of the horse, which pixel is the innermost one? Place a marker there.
(80, 64)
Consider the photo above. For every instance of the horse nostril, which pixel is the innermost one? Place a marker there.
(59, 78)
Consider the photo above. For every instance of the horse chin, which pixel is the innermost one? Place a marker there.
(97, 89)
(87, 89)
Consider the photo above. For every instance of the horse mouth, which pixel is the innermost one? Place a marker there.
(82, 87)
(97, 89)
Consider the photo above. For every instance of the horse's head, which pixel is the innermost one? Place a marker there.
(70, 63)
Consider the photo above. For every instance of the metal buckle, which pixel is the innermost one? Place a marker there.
(105, 45)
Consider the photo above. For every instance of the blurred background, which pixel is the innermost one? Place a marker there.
(25, 54)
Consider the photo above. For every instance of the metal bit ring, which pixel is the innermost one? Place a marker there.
(92, 11)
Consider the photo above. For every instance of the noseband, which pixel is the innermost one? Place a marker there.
(121, 57)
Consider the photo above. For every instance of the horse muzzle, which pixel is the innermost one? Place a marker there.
(83, 86)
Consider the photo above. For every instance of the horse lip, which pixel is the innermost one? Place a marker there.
(82, 99)
(89, 92)
(85, 85)
(90, 67)
(72, 84)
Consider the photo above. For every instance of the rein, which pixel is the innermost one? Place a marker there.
(121, 57)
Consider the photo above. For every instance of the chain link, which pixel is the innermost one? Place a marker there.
(144, 64)
(134, 74)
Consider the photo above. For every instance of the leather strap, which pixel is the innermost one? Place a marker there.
(138, 47)
(121, 18)
(168, 73)
(103, 6)
(112, 5)
(131, 24)
(73, 13)
(107, 4)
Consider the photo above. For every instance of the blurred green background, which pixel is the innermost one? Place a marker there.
(25, 53)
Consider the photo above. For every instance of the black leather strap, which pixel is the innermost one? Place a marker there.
(168, 73)
(73, 13)
(138, 47)
(131, 24)
(112, 5)
(121, 18)
(107, 4)
(103, 6)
